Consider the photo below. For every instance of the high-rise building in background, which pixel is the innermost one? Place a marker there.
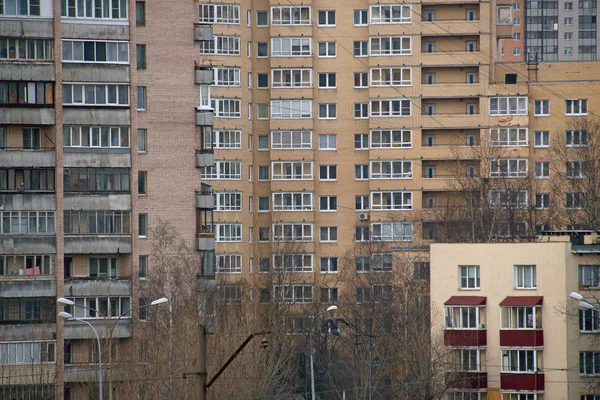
(322, 125)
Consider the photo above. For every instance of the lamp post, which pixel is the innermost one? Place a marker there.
(310, 345)
(67, 316)
(65, 301)
(582, 303)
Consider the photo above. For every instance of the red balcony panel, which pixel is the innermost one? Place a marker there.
(465, 337)
(522, 381)
(522, 338)
(466, 380)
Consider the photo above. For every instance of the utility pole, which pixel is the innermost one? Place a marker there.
(202, 362)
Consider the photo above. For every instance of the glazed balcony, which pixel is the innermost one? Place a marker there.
(466, 380)
(97, 244)
(522, 381)
(203, 32)
(92, 286)
(19, 157)
(465, 337)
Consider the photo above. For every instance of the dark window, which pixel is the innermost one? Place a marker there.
(140, 13)
(141, 56)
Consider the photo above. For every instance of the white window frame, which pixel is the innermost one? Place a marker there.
(388, 138)
(525, 274)
(510, 105)
(361, 80)
(542, 170)
(385, 45)
(96, 136)
(391, 14)
(390, 76)
(330, 111)
(293, 262)
(223, 170)
(361, 110)
(291, 109)
(361, 172)
(509, 198)
(228, 201)
(509, 167)
(306, 168)
(296, 15)
(293, 294)
(575, 169)
(228, 263)
(326, 234)
(577, 138)
(542, 201)
(76, 94)
(391, 169)
(329, 14)
(327, 141)
(363, 48)
(392, 200)
(541, 139)
(469, 277)
(392, 231)
(291, 78)
(291, 47)
(289, 140)
(541, 108)
(330, 203)
(119, 52)
(573, 201)
(221, 45)
(228, 14)
(589, 276)
(330, 49)
(328, 265)
(227, 139)
(576, 107)
(293, 201)
(329, 77)
(511, 360)
(361, 203)
(228, 232)
(227, 108)
(227, 76)
(293, 231)
(385, 108)
(329, 169)
(509, 136)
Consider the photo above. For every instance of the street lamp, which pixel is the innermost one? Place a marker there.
(67, 316)
(582, 303)
(576, 296)
(310, 345)
(65, 301)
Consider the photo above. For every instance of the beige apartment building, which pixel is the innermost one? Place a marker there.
(318, 124)
(505, 310)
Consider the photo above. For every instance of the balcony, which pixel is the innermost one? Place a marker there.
(465, 337)
(96, 116)
(205, 242)
(205, 201)
(204, 159)
(451, 27)
(27, 116)
(81, 372)
(452, 58)
(458, 120)
(24, 27)
(98, 202)
(520, 381)
(98, 244)
(450, 89)
(18, 157)
(521, 337)
(75, 330)
(203, 75)
(466, 380)
(204, 117)
(30, 331)
(40, 244)
(203, 32)
(81, 287)
(29, 287)
(27, 71)
(95, 73)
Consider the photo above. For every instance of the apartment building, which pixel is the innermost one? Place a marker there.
(506, 312)
(320, 125)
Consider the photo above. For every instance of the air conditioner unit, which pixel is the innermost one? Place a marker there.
(363, 216)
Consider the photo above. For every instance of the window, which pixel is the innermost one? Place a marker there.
(361, 171)
(509, 137)
(293, 263)
(363, 295)
(221, 45)
(100, 10)
(262, 82)
(263, 172)
(362, 233)
(262, 49)
(542, 201)
(519, 361)
(103, 267)
(219, 14)
(576, 138)
(326, 18)
(100, 222)
(142, 139)
(328, 141)
(391, 138)
(230, 170)
(361, 141)
(542, 170)
(589, 321)
(328, 172)
(89, 94)
(390, 45)
(263, 203)
(329, 265)
(361, 80)
(291, 47)
(391, 76)
(142, 267)
(262, 18)
(296, 77)
(329, 234)
(288, 109)
(508, 105)
(328, 111)
(291, 170)
(228, 232)
(421, 271)
(360, 17)
(229, 263)
(568, 51)
(516, 51)
(589, 276)
(361, 48)
(327, 80)
(525, 277)
(293, 294)
(391, 14)
(27, 353)
(508, 167)
(576, 107)
(229, 294)
(301, 232)
(390, 108)
(140, 13)
(226, 76)
(573, 201)
(32, 138)
(327, 49)
(568, 20)
(391, 170)
(140, 51)
(568, 36)
(468, 277)
(292, 201)
(361, 203)
(363, 264)
(142, 182)
(509, 198)
(227, 108)
(328, 203)
(568, 5)
(227, 139)
(228, 201)
(542, 138)
(575, 169)
(263, 234)
(517, 21)
(392, 231)
(391, 200)
(294, 15)
(382, 262)
(26, 265)
(361, 110)
(27, 94)
(329, 295)
(26, 49)
(142, 225)
(517, 36)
